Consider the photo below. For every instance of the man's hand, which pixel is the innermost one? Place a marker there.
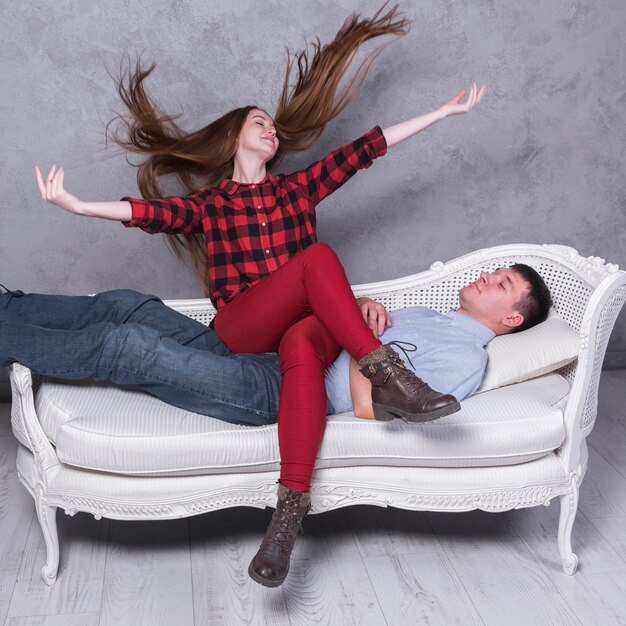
(375, 315)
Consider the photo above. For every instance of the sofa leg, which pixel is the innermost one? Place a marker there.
(47, 516)
(569, 508)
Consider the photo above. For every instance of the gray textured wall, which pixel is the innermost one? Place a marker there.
(539, 161)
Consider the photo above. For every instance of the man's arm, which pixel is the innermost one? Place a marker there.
(377, 318)
(361, 392)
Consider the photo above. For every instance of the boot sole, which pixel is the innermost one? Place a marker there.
(384, 413)
(264, 581)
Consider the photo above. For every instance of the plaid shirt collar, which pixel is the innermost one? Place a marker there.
(232, 186)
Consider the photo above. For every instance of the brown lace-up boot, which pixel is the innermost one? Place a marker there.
(270, 565)
(397, 392)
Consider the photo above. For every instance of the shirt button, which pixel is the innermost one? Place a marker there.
(263, 224)
(252, 186)
(259, 207)
(267, 252)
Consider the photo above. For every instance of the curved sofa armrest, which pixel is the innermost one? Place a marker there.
(602, 311)
(25, 423)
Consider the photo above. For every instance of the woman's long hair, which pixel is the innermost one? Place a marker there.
(203, 158)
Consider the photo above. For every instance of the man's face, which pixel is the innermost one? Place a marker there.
(492, 298)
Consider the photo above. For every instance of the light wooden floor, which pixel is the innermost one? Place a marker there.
(360, 565)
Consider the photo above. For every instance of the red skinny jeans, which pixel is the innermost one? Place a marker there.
(307, 312)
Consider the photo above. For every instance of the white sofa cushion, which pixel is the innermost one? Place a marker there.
(110, 429)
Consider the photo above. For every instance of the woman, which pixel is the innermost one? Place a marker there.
(251, 237)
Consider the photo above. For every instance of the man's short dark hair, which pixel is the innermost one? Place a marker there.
(535, 304)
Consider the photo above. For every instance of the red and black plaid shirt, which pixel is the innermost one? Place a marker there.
(252, 229)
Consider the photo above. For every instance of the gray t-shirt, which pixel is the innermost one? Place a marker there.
(450, 356)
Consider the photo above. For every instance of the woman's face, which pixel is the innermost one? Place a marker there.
(258, 136)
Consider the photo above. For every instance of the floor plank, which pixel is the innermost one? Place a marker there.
(78, 587)
(595, 598)
(328, 582)
(421, 589)
(148, 575)
(613, 530)
(383, 532)
(499, 573)
(16, 513)
(222, 544)
(409, 569)
(78, 619)
(603, 491)
(538, 528)
(597, 594)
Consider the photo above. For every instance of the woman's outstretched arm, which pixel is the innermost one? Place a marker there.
(53, 191)
(399, 132)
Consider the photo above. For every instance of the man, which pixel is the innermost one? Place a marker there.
(132, 338)
(449, 350)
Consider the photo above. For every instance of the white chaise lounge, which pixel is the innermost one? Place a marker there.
(122, 454)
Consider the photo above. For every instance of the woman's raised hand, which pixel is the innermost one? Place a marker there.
(399, 132)
(455, 105)
(52, 190)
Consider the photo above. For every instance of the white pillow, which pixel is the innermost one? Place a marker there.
(529, 353)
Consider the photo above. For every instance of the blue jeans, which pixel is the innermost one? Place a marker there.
(131, 338)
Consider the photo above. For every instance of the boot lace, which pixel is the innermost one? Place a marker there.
(395, 357)
(284, 525)
(408, 378)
